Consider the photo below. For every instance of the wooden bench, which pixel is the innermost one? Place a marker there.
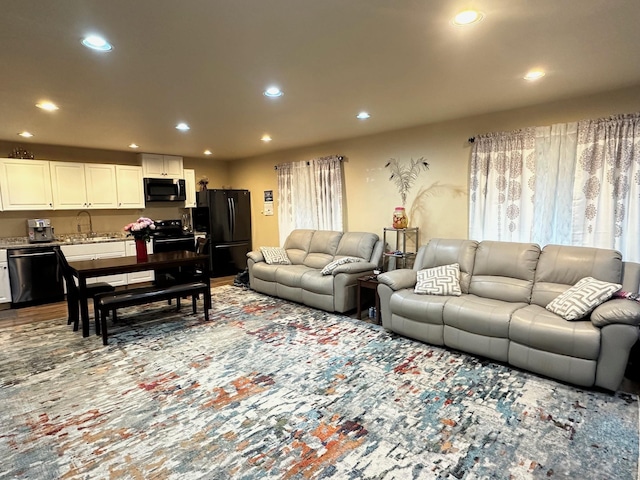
(111, 301)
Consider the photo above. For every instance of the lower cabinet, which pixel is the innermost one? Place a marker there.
(138, 277)
(92, 251)
(87, 251)
(5, 287)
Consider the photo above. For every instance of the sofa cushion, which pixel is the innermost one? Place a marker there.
(297, 245)
(291, 275)
(322, 248)
(584, 296)
(275, 255)
(330, 267)
(408, 304)
(504, 270)
(314, 281)
(265, 272)
(536, 327)
(357, 244)
(561, 266)
(440, 251)
(439, 280)
(481, 316)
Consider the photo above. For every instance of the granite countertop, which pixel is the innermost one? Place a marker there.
(22, 242)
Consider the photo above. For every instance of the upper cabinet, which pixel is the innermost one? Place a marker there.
(190, 187)
(25, 184)
(102, 191)
(130, 187)
(161, 166)
(83, 185)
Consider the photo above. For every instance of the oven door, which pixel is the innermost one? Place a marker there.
(167, 244)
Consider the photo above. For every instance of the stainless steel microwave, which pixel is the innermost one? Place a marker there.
(164, 190)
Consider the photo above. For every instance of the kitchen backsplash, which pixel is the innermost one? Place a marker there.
(65, 222)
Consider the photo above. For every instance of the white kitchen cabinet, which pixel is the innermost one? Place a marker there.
(130, 186)
(93, 251)
(68, 185)
(25, 184)
(138, 277)
(83, 185)
(161, 166)
(102, 191)
(5, 286)
(190, 187)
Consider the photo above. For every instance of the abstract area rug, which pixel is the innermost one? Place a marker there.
(272, 389)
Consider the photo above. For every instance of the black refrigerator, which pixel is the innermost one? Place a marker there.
(225, 217)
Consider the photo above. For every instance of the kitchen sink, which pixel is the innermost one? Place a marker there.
(101, 239)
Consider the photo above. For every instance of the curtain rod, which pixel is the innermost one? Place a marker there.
(340, 157)
(472, 139)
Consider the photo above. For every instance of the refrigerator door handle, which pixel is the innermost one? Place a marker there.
(230, 216)
(233, 216)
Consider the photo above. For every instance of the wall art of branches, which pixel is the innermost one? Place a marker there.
(404, 176)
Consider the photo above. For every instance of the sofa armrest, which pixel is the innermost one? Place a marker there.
(355, 267)
(618, 310)
(256, 256)
(399, 279)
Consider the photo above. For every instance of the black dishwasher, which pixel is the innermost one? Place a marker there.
(34, 276)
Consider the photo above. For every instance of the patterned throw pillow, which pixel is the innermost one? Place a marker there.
(275, 255)
(330, 267)
(442, 280)
(584, 296)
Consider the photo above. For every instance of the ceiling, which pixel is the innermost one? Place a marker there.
(207, 62)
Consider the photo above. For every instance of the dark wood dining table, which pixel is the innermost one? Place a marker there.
(84, 269)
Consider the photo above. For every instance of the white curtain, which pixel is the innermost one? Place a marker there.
(555, 149)
(501, 186)
(606, 196)
(575, 184)
(310, 195)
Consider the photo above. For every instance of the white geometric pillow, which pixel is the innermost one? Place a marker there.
(442, 280)
(275, 255)
(330, 267)
(584, 296)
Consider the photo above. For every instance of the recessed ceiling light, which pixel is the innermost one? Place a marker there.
(48, 106)
(133, 145)
(208, 152)
(273, 92)
(266, 138)
(363, 115)
(26, 134)
(467, 17)
(534, 75)
(96, 42)
(183, 127)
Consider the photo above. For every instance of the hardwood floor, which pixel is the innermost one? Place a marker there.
(39, 313)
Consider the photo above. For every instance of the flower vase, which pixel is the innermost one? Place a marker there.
(141, 250)
(400, 219)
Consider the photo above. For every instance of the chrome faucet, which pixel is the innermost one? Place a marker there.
(91, 232)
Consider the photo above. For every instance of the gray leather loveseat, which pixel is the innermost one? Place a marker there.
(501, 312)
(342, 256)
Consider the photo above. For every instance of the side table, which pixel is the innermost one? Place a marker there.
(369, 282)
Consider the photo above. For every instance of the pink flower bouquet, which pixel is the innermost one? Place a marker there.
(141, 228)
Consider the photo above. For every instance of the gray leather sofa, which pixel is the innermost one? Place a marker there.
(309, 252)
(501, 312)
